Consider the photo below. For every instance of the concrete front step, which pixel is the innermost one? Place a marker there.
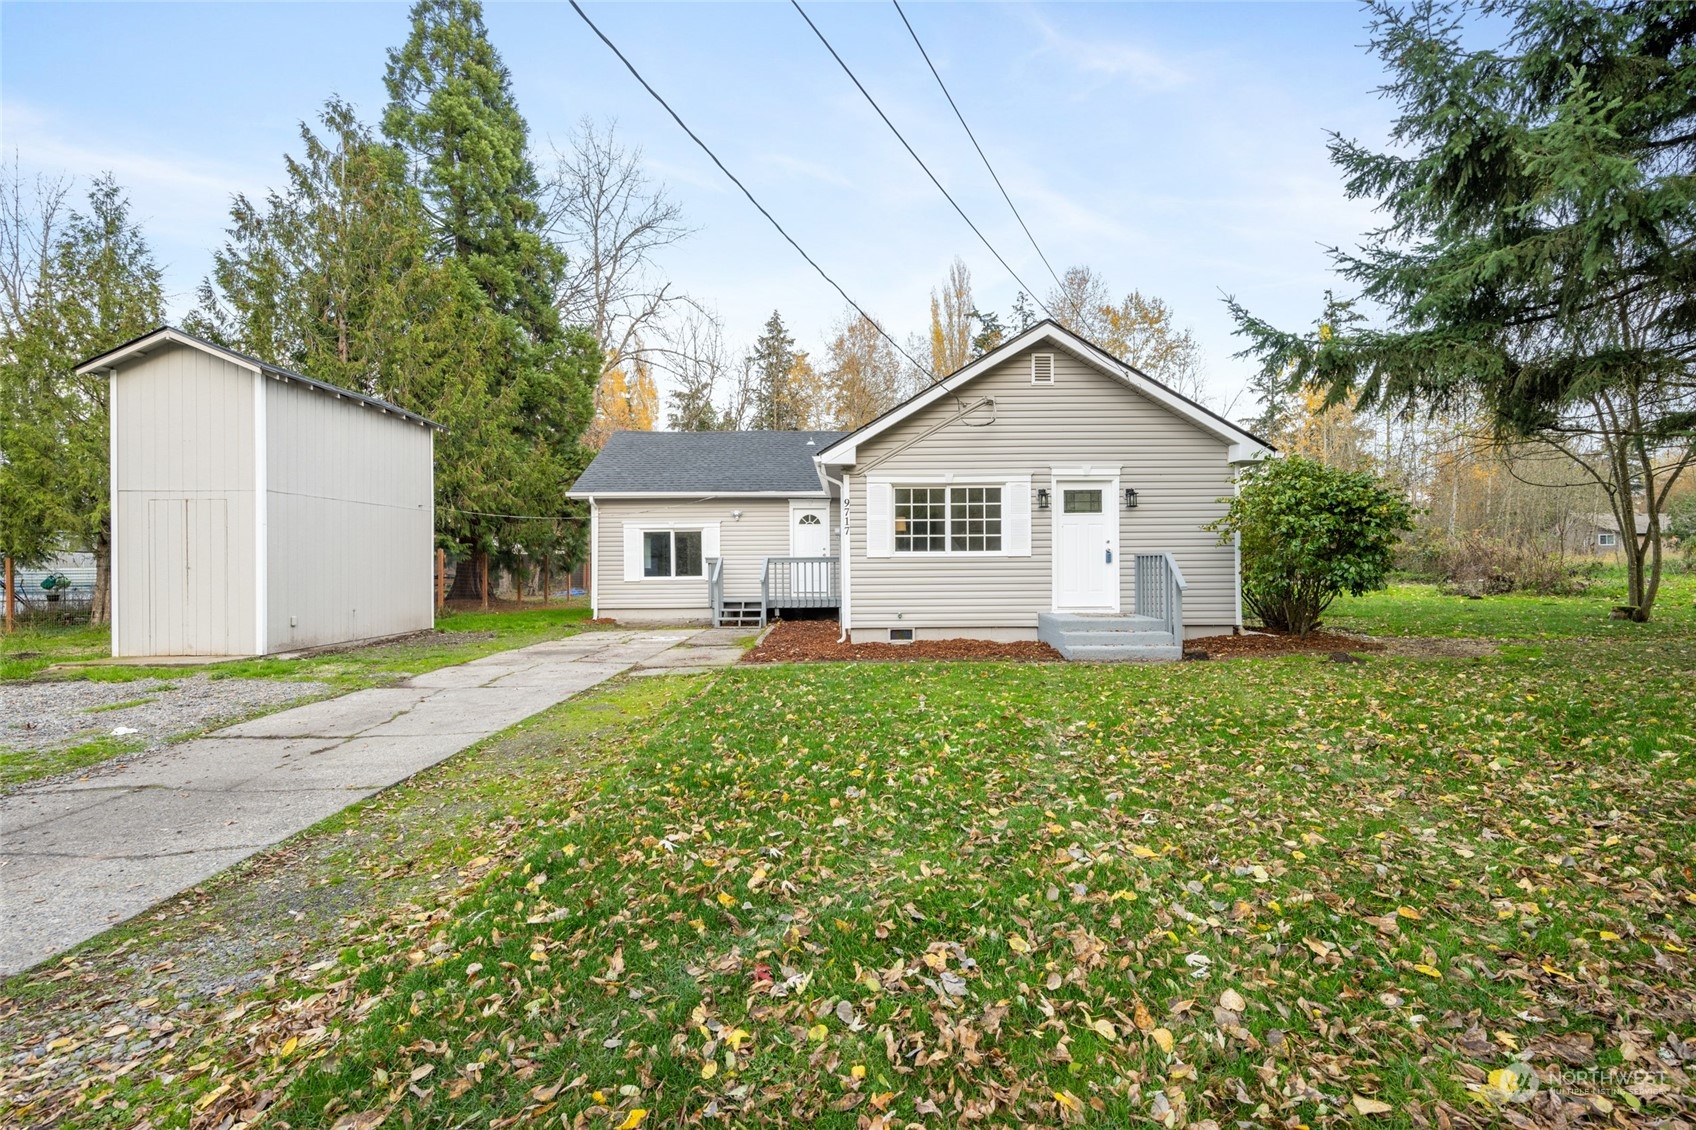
(1109, 653)
(1116, 639)
(1097, 622)
(1108, 638)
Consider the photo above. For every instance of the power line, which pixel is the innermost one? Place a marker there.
(975, 144)
(522, 517)
(849, 72)
(631, 67)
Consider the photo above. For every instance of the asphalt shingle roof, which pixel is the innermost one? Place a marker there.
(706, 462)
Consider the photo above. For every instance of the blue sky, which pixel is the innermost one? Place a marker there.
(1175, 148)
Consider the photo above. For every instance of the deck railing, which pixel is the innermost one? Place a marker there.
(801, 582)
(715, 589)
(1160, 592)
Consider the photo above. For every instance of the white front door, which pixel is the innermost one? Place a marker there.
(1086, 547)
(809, 536)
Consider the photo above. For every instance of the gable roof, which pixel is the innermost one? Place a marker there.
(171, 335)
(1244, 445)
(1607, 520)
(700, 463)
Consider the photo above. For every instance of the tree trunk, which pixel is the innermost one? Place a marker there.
(483, 577)
(466, 578)
(100, 608)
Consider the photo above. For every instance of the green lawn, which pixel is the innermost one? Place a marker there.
(57, 654)
(1274, 891)
(78, 651)
(1422, 610)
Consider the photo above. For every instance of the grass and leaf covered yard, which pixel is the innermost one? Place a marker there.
(1278, 890)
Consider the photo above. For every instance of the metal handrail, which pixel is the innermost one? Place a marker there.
(801, 582)
(1160, 589)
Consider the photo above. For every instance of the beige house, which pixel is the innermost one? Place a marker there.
(1046, 490)
(256, 510)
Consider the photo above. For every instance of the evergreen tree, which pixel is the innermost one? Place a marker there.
(339, 275)
(773, 361)
(96, 286)
(452, 112)
(1537, 251)
(991, 332)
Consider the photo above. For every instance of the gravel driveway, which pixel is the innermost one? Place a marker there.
(36, 716)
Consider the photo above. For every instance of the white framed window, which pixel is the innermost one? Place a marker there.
(659, 550)
(948, 519)
(672, 553)
(1607, 540)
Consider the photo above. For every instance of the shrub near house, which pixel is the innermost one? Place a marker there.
(1309, 532)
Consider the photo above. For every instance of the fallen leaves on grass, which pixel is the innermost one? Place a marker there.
(1358, 891)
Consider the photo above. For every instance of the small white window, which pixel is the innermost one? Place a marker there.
(810, 520)
(671, 553)
(900, 635)
(1607, 540)
(1042, 368)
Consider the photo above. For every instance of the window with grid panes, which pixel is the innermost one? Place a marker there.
(948, 519)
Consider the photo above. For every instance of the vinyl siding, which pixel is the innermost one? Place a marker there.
(350, 519)
(1084, 418)
(762, 531)
(183, 469)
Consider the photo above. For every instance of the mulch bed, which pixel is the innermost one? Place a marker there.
(1255, 644)
(809, 641)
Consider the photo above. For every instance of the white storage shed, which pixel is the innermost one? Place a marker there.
(256, 510)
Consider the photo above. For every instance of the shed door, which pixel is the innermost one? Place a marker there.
(188, 576)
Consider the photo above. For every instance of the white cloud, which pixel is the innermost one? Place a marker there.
(1114, 59)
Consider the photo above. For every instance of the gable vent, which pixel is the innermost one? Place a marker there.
(1042, 368)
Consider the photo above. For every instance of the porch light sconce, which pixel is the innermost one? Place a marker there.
(1042, 498)
(736, 515)
(1130, 498)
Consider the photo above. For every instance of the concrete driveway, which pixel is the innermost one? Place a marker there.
(77, 857)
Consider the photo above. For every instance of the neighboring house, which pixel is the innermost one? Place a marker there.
(1599, 533)
(72, 583)
(256, 510)
(1046, 490)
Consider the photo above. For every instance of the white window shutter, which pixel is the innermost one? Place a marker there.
(880, 519)
(709, 540)
(632, 552)
(1016, 518)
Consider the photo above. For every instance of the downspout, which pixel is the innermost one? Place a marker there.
(846, 611)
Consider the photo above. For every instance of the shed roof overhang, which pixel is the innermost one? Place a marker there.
(169, 335)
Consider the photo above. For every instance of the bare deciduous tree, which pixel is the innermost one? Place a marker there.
(29, 224)
(613, 220)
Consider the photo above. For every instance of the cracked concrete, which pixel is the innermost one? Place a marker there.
(78, 857)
